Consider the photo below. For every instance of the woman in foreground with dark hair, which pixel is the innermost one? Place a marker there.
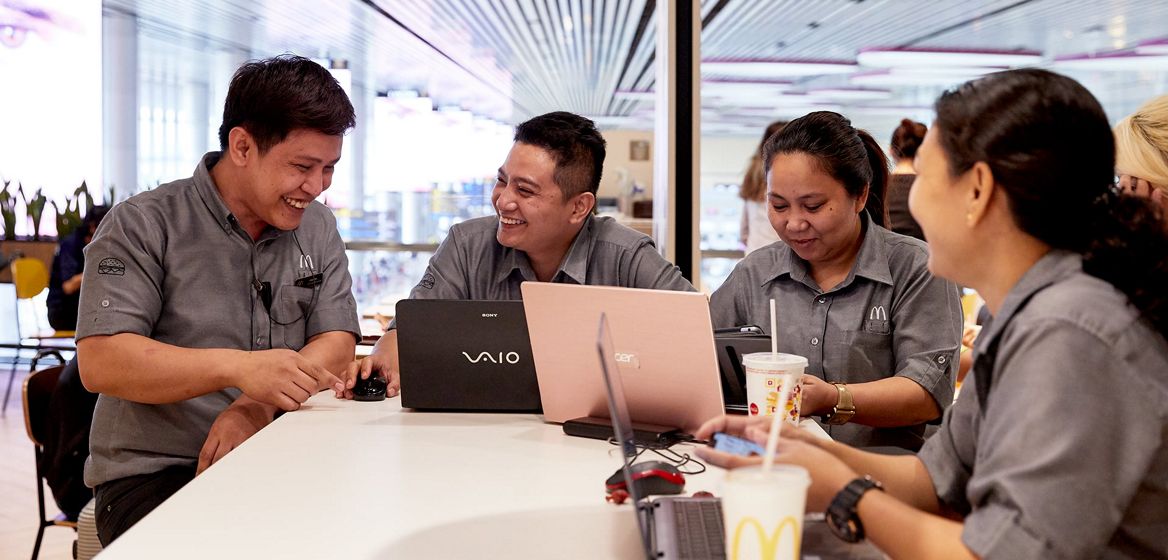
(1056, 447)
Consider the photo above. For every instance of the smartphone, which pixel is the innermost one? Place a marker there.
(736, 445)
(747, 329)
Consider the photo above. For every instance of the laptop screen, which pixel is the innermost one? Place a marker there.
(622, 428)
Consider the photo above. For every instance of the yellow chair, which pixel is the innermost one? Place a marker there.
(970, 304)
(30, 277)
(38, 387)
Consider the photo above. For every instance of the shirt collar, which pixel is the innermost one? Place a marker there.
(1051, 268)
(871, 261)
(574, 265)
(205, 186)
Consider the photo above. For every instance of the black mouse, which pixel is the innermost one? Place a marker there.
(371, 388)
(649, 478)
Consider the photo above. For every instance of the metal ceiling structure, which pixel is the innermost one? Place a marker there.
(510, 59)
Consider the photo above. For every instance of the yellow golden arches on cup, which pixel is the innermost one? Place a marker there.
(769, 544)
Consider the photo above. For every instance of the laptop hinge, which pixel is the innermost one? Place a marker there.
(644, 434)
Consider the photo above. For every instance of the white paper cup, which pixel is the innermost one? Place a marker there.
(765, 373)
(763, 512)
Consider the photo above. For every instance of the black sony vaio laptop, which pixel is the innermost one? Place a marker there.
(465, 356)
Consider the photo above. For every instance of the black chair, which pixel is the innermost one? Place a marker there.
(38, 387)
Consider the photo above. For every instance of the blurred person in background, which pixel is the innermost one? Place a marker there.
(1141, 153)
(756, 230)
(68, 266)
(905, 140)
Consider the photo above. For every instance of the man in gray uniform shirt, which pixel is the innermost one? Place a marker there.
(212, 302)
(543, 230)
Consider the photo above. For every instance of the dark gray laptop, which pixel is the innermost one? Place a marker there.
(465, 356)
(671, 527)
(680, 527)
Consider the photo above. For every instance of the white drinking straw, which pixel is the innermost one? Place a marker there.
(774, 330)
(784, 395)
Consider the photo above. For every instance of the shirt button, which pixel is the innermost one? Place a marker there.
(822, 300)
(815, 341)
(105, 303)
(941, 360)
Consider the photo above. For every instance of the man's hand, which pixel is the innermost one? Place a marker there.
(283, 378)
(234, 425)
(372, 364)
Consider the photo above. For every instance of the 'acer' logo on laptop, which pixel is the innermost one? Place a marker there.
(628, 359)
(496, 358)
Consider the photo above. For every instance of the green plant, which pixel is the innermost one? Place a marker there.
(83, 190)
(35, 209)
(8, 211)
(68, 219)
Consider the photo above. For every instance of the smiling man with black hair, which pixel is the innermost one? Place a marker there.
(212, 302)
(543, 230)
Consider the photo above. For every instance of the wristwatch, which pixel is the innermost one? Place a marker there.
(841, 514)
(844, 408)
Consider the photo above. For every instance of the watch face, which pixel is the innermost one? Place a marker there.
(843, 525)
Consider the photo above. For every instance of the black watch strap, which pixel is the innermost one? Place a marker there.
(841, 514)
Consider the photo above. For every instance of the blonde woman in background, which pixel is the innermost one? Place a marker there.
(757, 231)
(1141, 153)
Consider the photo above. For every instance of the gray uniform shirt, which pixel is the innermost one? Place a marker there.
(174, 265)
(1056, 447)
(472, 264)
(889, 317)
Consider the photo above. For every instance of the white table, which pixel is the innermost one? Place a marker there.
(344, 479)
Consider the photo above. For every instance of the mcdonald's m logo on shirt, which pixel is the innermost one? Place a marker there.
(878, 314)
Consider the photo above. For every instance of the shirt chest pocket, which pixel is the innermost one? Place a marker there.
(868, 353)
(290, 312)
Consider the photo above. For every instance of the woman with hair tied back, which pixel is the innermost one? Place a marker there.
(756, 231)
(905, 140)
(880, 333)
(1056, 447)
(1141, 153)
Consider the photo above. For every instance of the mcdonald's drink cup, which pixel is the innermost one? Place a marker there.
(765, 372)
(763, 512)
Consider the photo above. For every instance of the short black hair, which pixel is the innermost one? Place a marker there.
(92, 219)
(272, 97)
(575, 144)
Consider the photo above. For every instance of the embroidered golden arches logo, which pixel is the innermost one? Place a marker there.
(768, 544)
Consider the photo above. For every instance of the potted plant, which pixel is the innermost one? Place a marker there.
(69, 219)
(35, 209)
(8, 212)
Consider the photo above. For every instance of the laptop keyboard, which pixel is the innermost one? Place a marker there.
(699, 529)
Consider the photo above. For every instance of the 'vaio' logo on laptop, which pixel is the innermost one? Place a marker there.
(465, 355)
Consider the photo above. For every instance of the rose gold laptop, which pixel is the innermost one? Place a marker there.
(664, 351)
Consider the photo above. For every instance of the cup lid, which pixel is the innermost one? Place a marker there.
(791, 474)
(773, 359)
